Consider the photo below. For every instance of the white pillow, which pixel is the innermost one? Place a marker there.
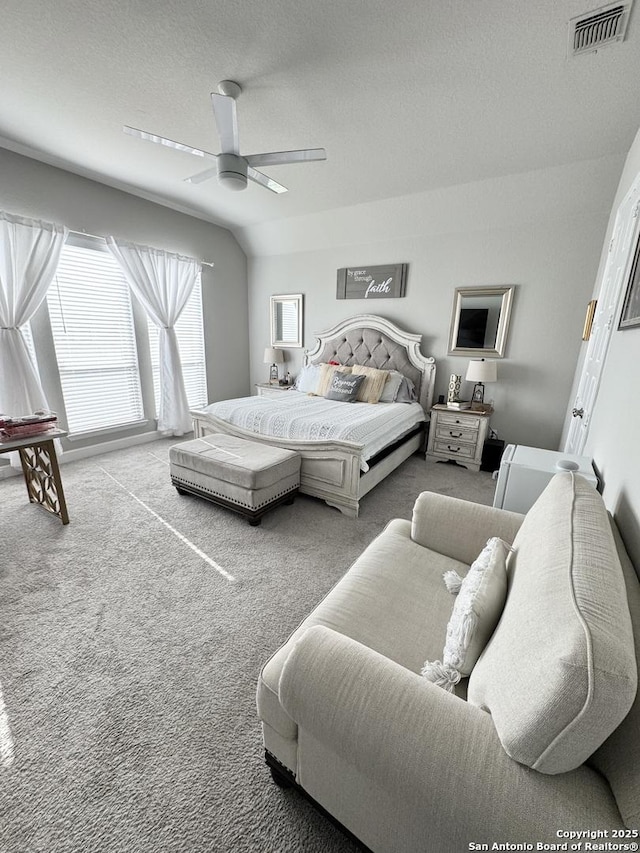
(308, 378)
(478, 607)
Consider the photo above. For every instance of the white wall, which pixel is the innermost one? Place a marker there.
(541, 231)
(31, 188)
(614, 434)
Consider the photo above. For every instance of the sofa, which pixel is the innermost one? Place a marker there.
(538, 745)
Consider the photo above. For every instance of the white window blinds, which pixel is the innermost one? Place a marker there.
(92, 324)
(190, 334)
(287, 328)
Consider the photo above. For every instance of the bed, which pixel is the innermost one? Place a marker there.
(346, 449)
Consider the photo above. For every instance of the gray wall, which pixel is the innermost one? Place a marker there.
(31, 188)
(613, 439)
(541, 231)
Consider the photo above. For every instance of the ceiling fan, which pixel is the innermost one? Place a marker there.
(231, 167)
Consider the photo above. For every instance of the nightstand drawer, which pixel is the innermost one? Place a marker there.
(457, 433)
(454, 449)
(459, 419)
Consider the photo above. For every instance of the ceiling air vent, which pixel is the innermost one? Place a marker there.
(603, 26)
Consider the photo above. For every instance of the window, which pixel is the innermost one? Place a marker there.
(190, 336)
(92, 324)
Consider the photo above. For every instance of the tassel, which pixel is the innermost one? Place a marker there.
(452, 581)
(441, 675)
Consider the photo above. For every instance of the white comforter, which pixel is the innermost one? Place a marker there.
(292, 415)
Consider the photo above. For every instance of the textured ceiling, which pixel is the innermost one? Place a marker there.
(405, 96)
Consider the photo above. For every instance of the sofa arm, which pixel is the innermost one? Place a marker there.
(458, 528)
(430, 748)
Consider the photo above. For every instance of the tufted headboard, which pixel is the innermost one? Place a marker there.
(376, 342)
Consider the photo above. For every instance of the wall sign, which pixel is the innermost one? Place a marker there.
(383, 282)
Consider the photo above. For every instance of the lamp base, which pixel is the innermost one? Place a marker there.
(478, 393)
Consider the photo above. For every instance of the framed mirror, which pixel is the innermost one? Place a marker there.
(480, 321)
(286, 320)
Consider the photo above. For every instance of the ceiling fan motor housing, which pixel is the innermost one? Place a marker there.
(232, 171)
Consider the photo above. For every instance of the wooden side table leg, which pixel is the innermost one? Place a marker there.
(42, 478)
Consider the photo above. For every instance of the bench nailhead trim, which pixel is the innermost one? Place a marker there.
(234, 500)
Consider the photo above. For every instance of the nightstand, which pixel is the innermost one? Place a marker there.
(458, 435)
(263, 389)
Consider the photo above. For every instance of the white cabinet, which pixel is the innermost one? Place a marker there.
(458, 435)
(526, 471)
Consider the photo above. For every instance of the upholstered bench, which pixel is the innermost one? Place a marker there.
(245, 476)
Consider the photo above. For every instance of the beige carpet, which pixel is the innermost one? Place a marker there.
(130, 642)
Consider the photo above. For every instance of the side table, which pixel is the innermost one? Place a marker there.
(458, 435)
(264, 389)
(41, 470)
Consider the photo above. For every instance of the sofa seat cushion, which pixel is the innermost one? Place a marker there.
(559, 674)
(392, 600)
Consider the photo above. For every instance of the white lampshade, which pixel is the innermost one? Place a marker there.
(481, 370)
(273, 356)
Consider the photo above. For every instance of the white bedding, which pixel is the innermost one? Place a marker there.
(296, 416)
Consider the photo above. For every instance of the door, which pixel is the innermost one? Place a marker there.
(625, 233)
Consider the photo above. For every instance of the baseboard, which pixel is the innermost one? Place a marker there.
(107, 446)
(74, 454)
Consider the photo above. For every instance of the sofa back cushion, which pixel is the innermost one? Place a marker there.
(618, 759)
(559, 674)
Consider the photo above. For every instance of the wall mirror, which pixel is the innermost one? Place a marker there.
(480, 321)
(286, 320)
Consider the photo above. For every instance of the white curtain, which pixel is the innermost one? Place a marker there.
(162, 282)
(29, 255)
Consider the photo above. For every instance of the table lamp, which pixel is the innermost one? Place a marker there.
(480, 371)
(274, 357)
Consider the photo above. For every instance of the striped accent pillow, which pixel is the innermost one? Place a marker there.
(373, 385)
(326, 375)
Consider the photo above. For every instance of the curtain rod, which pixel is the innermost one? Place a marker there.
(100, 237)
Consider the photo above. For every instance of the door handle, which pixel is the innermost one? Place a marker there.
(577, 413)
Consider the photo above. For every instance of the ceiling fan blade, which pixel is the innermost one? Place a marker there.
(202, 176)
(265, 181)
(276, 158)
(224, 110)
(169, 143)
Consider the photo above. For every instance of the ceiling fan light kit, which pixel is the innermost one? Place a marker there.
(233, 170)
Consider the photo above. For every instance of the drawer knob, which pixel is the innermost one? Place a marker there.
(455, 434)
(453, 449)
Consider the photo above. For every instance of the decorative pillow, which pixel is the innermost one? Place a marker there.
(344, 387)
(481, 597)
(407, 391)
(398, 389)
(308, 379)
(374, 382)
(391, 387)
(326, 375)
